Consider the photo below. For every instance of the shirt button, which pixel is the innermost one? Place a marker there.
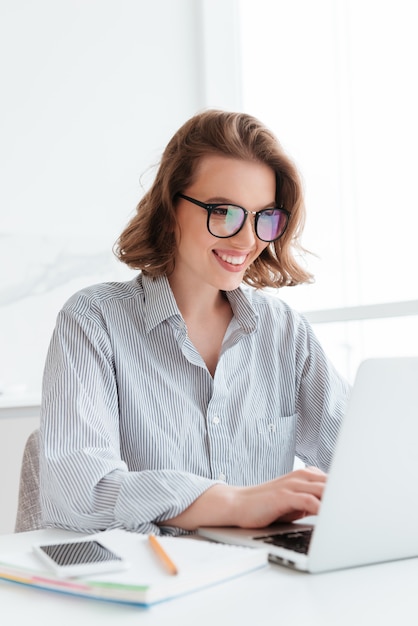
(222, 476)
(216, 420)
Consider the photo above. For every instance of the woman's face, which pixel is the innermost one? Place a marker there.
(202, 258)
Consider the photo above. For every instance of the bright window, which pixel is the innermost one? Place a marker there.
(336, 81)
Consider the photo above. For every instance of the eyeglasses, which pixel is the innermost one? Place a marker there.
(226, 220)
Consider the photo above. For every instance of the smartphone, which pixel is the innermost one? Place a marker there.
(79, 558)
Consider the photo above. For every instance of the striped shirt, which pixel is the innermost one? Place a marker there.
(133, 426)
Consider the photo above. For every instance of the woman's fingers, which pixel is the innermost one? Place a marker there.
(310, 473)
(287, 498)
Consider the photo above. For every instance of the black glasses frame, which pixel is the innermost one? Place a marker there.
(211, 207)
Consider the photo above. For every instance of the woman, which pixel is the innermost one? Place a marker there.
(180, 398)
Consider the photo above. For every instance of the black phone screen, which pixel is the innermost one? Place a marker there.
(78, 553)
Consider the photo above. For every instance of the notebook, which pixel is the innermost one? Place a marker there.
(369, 511)
(146, 581)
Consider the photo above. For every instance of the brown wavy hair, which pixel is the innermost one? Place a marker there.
(148, 242)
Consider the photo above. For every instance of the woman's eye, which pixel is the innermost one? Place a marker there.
(220, 211)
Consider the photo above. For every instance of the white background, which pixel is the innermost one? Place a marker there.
(93, 89)
(337, 82)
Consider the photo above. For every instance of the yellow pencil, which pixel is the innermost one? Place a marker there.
(162, 554)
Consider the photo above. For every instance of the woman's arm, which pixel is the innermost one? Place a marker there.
(321, 401)
(85, 484)
(287, 498)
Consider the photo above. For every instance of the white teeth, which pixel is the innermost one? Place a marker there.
(233, 260)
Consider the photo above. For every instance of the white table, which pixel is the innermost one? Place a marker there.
(373, 595)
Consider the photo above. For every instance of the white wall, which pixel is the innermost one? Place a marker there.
(91, 91)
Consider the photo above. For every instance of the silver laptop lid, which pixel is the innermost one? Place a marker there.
(369, 512)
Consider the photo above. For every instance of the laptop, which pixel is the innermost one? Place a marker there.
(369, 510)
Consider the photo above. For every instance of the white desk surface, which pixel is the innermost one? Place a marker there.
(373, 595)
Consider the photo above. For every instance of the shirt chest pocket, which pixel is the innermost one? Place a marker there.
(276, 427)
(276, 441)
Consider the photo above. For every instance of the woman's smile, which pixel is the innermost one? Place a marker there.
(235, 259)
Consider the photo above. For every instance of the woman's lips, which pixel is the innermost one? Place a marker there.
(232, 262)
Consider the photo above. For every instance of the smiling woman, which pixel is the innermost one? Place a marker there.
(183, 396)
(231, 136)
(203, 258)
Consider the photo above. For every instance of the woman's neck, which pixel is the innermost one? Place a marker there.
(197, 302)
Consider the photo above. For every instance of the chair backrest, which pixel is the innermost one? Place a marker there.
(28, 508)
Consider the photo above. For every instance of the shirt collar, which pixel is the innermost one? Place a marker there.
(160, 304)
(244, 312)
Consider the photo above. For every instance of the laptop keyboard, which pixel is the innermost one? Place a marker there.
(296, 540)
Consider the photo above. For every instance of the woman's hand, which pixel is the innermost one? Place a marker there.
(285, 499)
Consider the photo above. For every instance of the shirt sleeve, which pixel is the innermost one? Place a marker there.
(85, 485)
(321, 402)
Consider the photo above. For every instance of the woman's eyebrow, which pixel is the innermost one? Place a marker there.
(217, 199)
(225, 200)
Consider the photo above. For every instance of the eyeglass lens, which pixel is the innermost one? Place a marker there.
(270, 224)
(225, 221)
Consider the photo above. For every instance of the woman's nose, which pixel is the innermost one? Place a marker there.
(247, 235)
